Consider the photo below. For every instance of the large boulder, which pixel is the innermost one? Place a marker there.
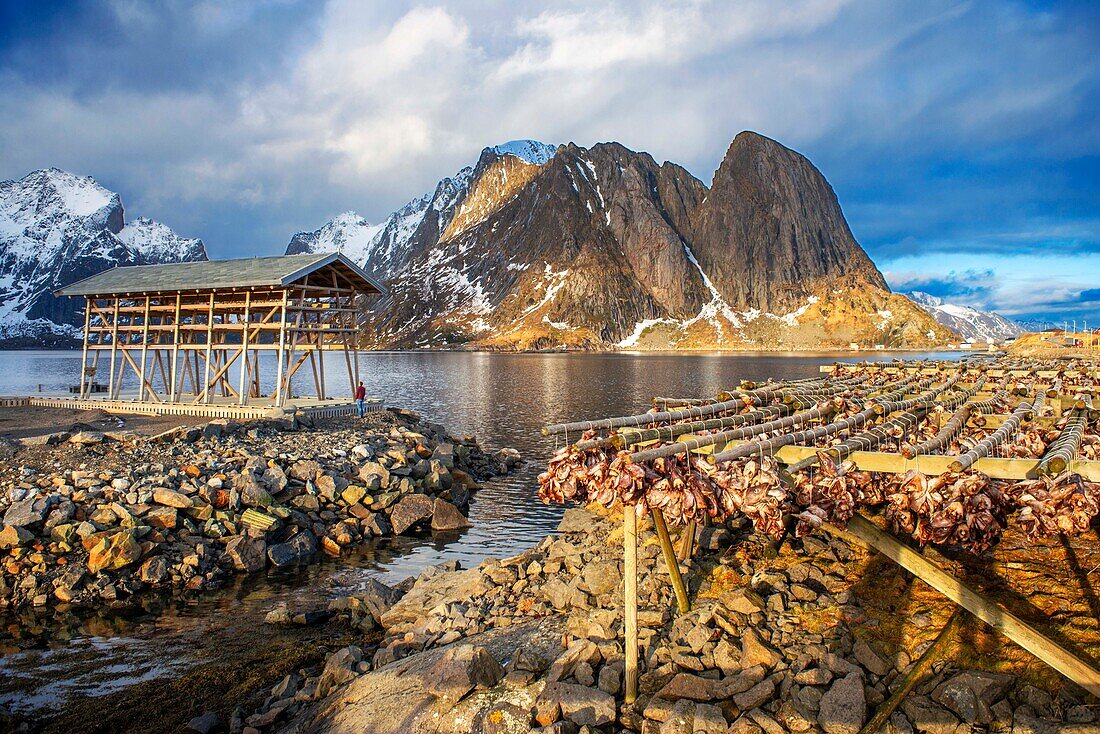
(446, 516)
(340, 667)
(170, 498)
(298, 548)
(843, 707)
(247, 554)
(602, 577)
(971, 694)
(305, 470)
(27, 512)
(251, 491)
(113, 551)
(581, 705)
(410, 510)
(14, 536)
(155, 571)
(377, 597)
(461, 669)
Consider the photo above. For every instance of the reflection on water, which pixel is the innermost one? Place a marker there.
(503, 399)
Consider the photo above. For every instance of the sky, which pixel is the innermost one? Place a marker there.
(962, 138)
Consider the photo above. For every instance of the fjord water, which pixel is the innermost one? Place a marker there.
(502, 399)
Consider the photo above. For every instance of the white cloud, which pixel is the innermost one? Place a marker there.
(372, 102)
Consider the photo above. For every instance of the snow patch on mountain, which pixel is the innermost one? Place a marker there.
(717, 305)
(529, 151)
(970, 323)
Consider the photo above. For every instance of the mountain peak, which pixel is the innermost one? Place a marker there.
(57, 227)
(528, 151)
(967, 321)
(79, 196)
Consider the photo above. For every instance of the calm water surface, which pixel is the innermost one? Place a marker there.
(502, 399)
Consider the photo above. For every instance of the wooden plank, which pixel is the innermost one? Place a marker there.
(990, 612)
(84, 353)
(630, 601)
(204, 397)
(115, 385)
(682, 603)
(932, 464)
(242, 391)
(173, 393)
(144, 350)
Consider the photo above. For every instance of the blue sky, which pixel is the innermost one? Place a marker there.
(963, 138)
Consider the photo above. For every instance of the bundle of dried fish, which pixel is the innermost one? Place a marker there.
(573, 474)
(963, 508)
(833, 495)
(756, 488)
(1066, 504)
(676, 488)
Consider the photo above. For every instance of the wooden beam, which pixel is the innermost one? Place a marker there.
(142, 382)
(630, 603)
(280, 393)
(205, 396)
(84, 352)
(671, 562)
(990, 612)
(931, 464)
(141, 377)
(173, 394)
(243, 393)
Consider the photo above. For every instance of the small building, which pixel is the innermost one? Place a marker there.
(193, 333)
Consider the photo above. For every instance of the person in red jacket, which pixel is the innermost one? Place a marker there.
(361, 398)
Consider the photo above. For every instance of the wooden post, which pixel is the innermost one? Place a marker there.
(244, 348)
(84, 351)
(687, 541)
(279, 393)
(671, 562)
(915, 675)
(113, 388)
(209, 346)
(990, 612)
(321, 363)
(144, 351)
(173, 394)
(630, 594)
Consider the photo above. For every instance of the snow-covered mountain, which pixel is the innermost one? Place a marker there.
(348, 233)
(384, 248)
(56, 228)
(538, 246)
(970, 323)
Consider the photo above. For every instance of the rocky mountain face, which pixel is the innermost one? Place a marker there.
(57, 228)
(967, 322)
(537, 247)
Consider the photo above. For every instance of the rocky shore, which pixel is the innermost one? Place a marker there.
(93, 517)
(799, 642)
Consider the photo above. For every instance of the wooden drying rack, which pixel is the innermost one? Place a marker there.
(864, 532)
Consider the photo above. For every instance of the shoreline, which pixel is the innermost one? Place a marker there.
(188, 508)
